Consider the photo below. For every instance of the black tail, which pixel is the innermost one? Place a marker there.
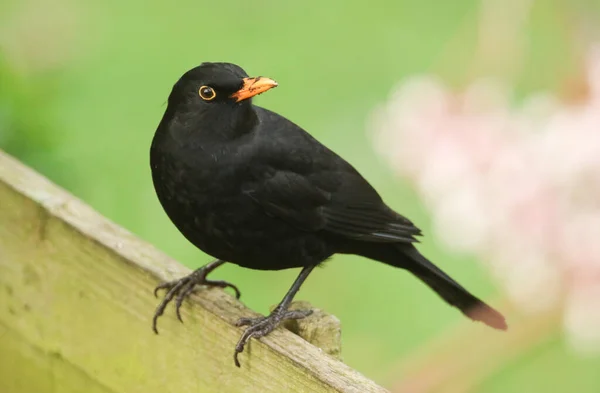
(452, 292)
(408, 257)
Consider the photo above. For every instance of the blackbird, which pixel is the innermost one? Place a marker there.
(247, 186)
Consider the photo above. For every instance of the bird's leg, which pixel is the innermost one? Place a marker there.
(180, 289)
(260, 327)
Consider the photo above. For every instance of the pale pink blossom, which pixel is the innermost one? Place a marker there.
(518, 186)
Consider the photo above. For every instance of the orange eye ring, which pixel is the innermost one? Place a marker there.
(207, 93)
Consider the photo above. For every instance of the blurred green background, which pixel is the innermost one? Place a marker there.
(83, 85)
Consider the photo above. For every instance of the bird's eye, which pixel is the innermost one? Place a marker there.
(207, 93)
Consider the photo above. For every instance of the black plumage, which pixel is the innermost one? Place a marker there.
(250, 187)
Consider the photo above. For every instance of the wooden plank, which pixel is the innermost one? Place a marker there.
(78, 288)
(24, 369)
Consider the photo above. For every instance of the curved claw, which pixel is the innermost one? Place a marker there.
(238, 294)
(224, 284)
(182, 288)
(164, 285)
(247, 321)
(260, 327)
(183, 293)
(239, 347)
(174, 289)
(297, 314)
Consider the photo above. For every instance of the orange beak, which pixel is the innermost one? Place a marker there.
(252, 87)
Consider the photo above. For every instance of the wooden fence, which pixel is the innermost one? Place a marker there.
(76, 305)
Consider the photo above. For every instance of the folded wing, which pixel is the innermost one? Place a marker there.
(347, 206)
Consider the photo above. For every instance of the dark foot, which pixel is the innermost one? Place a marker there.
(260, 327)
(182, 288)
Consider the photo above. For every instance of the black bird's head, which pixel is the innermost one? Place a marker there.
(212, 88)
(212, 101)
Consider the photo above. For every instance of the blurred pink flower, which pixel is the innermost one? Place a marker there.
(519, 187)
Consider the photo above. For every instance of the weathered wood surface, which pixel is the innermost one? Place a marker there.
(76, 305)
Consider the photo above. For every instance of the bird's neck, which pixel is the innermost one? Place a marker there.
(218, 127)
(243, 121)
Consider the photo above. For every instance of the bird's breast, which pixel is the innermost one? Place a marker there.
(203, 197)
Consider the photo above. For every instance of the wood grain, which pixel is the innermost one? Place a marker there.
(76, 304)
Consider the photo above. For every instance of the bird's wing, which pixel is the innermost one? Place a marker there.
(341, 203)
(291, 197)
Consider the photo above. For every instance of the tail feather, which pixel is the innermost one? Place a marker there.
(451, 291)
